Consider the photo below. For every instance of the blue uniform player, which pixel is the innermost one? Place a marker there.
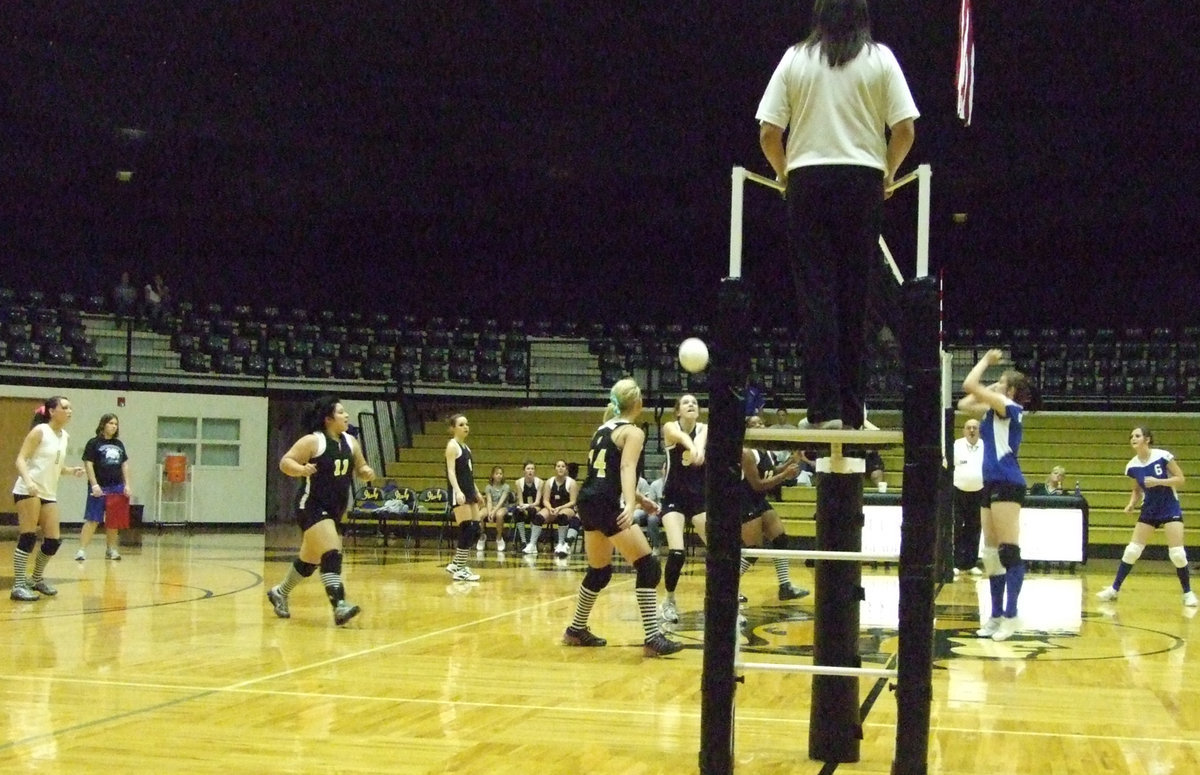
(1001, 407)
(1155, 476)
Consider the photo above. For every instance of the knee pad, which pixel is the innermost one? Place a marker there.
(1132, 553)
(574, 523)
(648, 571)
(560, 520)
(780, 542)
(596, 579)
(26, 542)
(1178, 556)
(1010, 555)
(991, 561)
(539, 520)
(50, 546)
(331, 562)
(468, 534)
(305, 569)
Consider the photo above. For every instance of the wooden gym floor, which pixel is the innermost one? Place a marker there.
(171, 661)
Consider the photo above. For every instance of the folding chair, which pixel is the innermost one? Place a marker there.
(432, 503)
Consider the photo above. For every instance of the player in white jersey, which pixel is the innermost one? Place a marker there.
(40, 463)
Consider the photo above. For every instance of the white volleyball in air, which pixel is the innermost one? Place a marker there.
(693, 355)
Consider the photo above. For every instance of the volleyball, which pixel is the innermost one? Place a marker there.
(693, 355)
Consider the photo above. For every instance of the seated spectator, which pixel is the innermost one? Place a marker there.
(1054, 482)
(156, 298)
(874, 468)
(651, 521)
(525, 507)
(497, 497)
(558, 508)
(124, 296)
(781, 419)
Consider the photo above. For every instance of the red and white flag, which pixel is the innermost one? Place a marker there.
(966, 63)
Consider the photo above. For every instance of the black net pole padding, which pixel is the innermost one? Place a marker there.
(728, 372)
(918, 534)
(945, 558)
(835, 721)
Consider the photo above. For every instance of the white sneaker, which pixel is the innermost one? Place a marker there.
(560, 550)
(1008, 626)
(530, 549)
(500, 545)
(990, 627)
(1107, 594)
(112, 554)
(451, 568)
(976, 572)
(463, 573)
(669, 613)
(1190, 599)
(80, 556)
(482, 542)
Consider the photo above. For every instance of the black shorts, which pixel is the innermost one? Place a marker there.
(306, 518)
(1002, 492)
(1157, 522)
(19, 498)
(754, 508)
(600, 514)
(689, 504)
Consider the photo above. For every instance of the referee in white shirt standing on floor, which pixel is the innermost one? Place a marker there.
(968, 498)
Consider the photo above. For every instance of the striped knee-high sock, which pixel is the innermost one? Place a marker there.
(20, 565)
(745, 566)
(647, 599)
(583, 607)
(783, 571)
(290, 581)
(39, 566)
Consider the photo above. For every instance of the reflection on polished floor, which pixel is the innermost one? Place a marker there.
(171, 661)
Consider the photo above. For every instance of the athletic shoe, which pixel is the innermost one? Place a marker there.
(1008, 626)
(530, 549)
(741, 622)
(44, 587)
(957, 573)
(1108, 594)
(743, 599)
(23, 593)
(1190, 599)
(660, 646)
(80, 556)
(560, 550)
(790, 591)
(463, 573)
(112, 554)
(989, 628)
(279, 602)
(975, 572)
(344, 612)
(584, 637)
(451, 567)
(668, 612)
(500, 545)
(480, 544)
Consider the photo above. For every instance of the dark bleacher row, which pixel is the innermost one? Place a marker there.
(1103, 364)
(33, 332)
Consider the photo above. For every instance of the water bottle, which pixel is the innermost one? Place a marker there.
(1078, 494)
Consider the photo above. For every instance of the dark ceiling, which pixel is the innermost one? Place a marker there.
(570, 159)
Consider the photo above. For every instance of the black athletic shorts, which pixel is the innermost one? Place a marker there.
(1003, 492)
(600, 514)
(689, 504)
(306, 518)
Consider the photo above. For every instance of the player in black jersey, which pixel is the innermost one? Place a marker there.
(527, 497)
(606, 504)
(326, 459)
(559, 497)
(465, 500)
(683, 494)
